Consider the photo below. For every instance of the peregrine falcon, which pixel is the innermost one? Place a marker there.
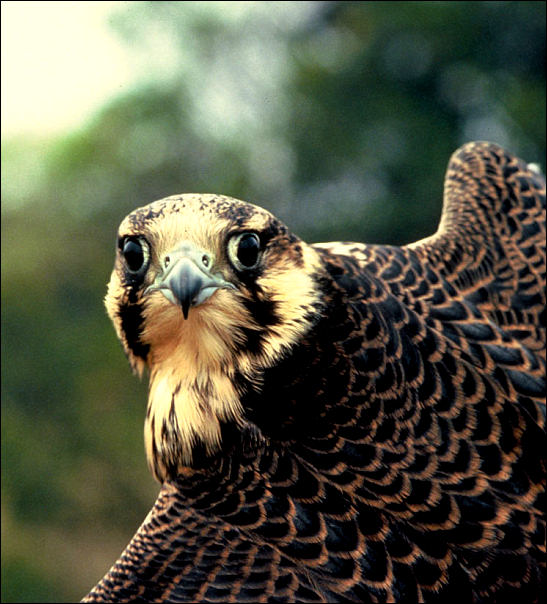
(339, 422)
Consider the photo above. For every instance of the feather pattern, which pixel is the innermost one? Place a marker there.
(388, 443)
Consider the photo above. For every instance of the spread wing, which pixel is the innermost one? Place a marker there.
(443, 417)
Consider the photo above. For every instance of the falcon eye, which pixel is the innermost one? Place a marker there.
(244, 251)
(135, 253)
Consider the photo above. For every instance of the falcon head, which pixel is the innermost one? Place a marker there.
(206, 293)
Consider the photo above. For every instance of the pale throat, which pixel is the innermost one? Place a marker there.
(191, 391)
(194, 365)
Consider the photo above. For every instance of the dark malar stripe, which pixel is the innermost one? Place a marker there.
(132, 321)
(263, 311)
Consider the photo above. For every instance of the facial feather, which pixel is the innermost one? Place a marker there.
(200, 366)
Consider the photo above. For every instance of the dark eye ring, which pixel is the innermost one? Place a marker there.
(244, 251)
(136, 254)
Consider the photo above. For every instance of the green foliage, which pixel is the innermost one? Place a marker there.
(339, 117)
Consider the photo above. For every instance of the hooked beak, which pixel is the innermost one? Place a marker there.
(186, 279)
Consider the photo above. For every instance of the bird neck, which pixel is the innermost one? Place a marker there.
(192, 391)
(204, 369)
(295, 392)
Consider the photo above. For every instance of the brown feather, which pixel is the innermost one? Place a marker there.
(362, 423)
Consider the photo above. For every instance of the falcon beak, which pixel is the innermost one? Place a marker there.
(186, 279)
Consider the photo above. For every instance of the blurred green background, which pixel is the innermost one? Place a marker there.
(339, 117)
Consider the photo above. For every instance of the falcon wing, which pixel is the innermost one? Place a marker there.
(438, 426)
(181, 555)
(490, 245)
